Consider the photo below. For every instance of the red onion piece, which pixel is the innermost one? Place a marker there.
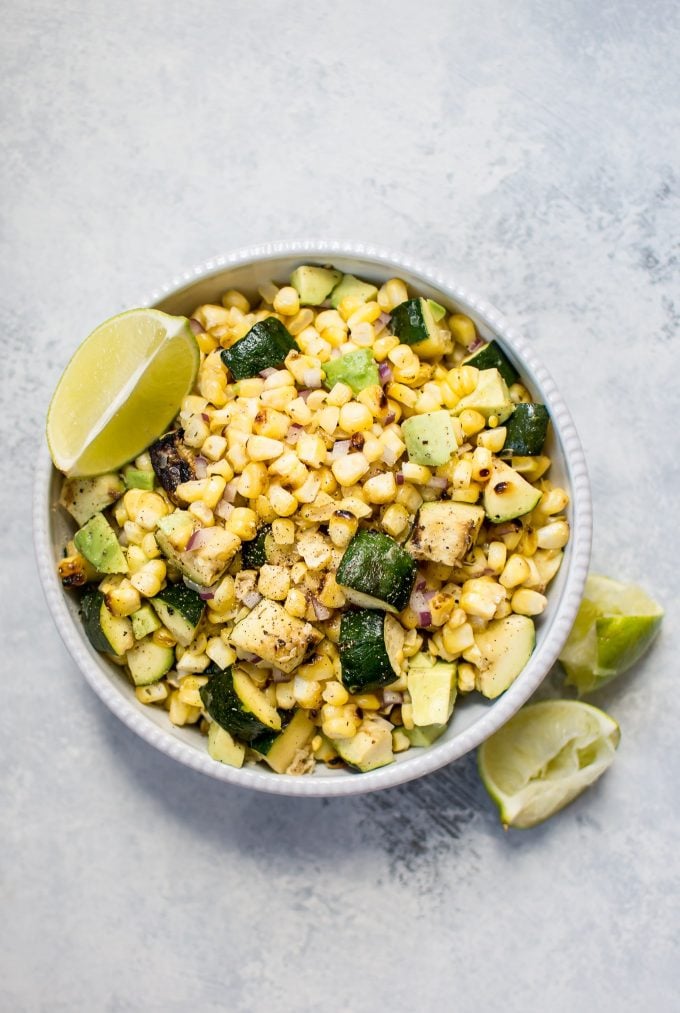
(205, 416)
(293, 434)
(196, 327)
(420, 602)
(477, 343)
(279, 676)
(385, 373)
(230, 491)
(204, 592)
(304, 394)
(206, 595)
(251, 599)
(269, 371)
(320, 611)
(421, 585)
(399, 478)
(224, 509)
(424, 618)
(199, 538)
(340, 448)
(200, 466)
(381, 323)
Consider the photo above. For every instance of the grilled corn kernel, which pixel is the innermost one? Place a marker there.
(214, 447)
(339, 394)
(222, 654)
(400, 741)
(285, 695)
(193, 662)
(409, 497)
(279, 397)
(393, 447)
(416, 473)
(481, 596)
(222, 468)
(492, 440)
(311, 450)
(462, 329)
(372, 449)
(553, 536)
(391, 294)
(472, 421)
(457, 638)
(282, 502)
(136, 558)
(481, 464)
(328, 419)
(202, 513)
(224, 594)
(307, 693)
(181, 713)
(149, 578)
(528, 603)
(380, 488)
(274, 582)
(189, 687)
(295, 603)
(395, 520)
(364, 314)
(342, 527)
(335, 694)
(407, 716)
(350, 468)
(253, 480)
(242, 521)
(515, 572)
(157, 692)
(402, 394)
(233, 298)
(302, 319)
(124, 599)
(149, 547)
(331, 594)
(287, 301)
(519, 393)
(466, 675)
(262, 448)
(496, 557)
(283, 531)
(355, 418)
(367, 701)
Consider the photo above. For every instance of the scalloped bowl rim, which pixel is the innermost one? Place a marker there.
(412, 764)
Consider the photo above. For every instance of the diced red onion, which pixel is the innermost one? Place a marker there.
(474, 345)
(389, 418)
(200, 466)
(385, 373)
(508, 528)
(304, 394)
(205, 416)
(195, 326)
(250, 600)
(293, 434)
(312, 378)
(230, 491)
(248, 656)
(269, 371)
(198, 588)
(206, 595)
(421, 585)
(224, 509)
(424, 618)
(320, 611)
(199, 538)
(340, 448)
(390, 696)
(437, 482)
(420, 601)
(400, 478)
(381, 323)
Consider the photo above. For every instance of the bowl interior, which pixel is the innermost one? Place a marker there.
(474, 718)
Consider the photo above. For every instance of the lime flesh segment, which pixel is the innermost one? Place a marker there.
(120, 391)
(545, 756)
(615, 625)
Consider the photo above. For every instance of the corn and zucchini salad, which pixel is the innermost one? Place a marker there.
(348, 526)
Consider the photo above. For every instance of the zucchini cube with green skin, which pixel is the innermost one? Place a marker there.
(224, 706)
(280, 751)
(425, 735)
(265, 346)
(433, 690)
(413, 321)
(506, 646)
(314, 284)
(444, 532)
(97, 542)
(357, 369)
(144, 622)
(526, 430)
(370, 748)
(223, 747)
(371, 649)
(430, 438)
(492, 356)
(351, 286)
(507, 495)
(180, 609)
(107, 633)
(85, 497)
(376, 573)
(148, 661)
(253, 554)
(490, 397)
(275, 636)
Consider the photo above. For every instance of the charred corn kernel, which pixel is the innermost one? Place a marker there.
(350, 468)
(283, 532)
(295, 603)
(124, 599)
(214, 447)
(181, 713)
(302, 319)
(407, 716)
(342, 527)
(222, 468)
(528, 603)
(307, 693)
(222, 654)
(189, 687)
(262, 448)
(462, 329)
(380, 488)
(553, 536)
(404, 358)
(409, 497)
(279, 397)
(492, 440)
(367, 701)
(355, 417)
(335, 694)
(319, 670)
(157, 692)
(472, 421)
(282, 502)
(242, 521)
(253, 480)
(202, 513)
(515, 572)
(481, 464)
(481, 596)
(416, 473)
(403, 395)
(235, 299)
(395, 520)
(457, 638)
(466, 675)
(355, 506)
(441, 607)
(528, 542)
(290, 470)
(136, 558)
(391, 294)
(339, 394)
(311, 450)
(273, 582)
(287, 301)
(496, 557)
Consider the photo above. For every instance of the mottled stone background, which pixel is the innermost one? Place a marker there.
(529, 148)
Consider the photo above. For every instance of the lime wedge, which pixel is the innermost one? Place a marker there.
(615, 625)
(545, 756)
(120, 391)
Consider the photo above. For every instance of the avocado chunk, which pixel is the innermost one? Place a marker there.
(445, 532)
(136, 478)
(314, 284)
(351, 286)
(357, 369)
(371, 747)
(506, 646)
(85, 497)
(507, 495)
(97, 541)
(490, 396)
(430, 438)
(222, 747)
(433, 689)
(144, 622)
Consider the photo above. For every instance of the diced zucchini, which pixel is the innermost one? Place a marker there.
(370, 748)
(97, 541)
(224, 706)
(430, 438)
(279, 751)
(526, 430)
(371, 650)
(266, 345)
(253, 700)
(506, 646)
(351, 286)
(85, 497)
(433, 692)
(106, 632)
(253, 552)
(376, 573)
(438, 311)
(490, 397)
(222, 747)
(180, 609)
(357, 369)
(274, 635)
(144, 622)
(136, 478)
(314, 284)
(492, 356)
(413, 322)
(148, 661)
(507, 494)
(444, 532)
(424, 736)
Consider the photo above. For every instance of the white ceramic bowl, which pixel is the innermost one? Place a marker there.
(474, 719)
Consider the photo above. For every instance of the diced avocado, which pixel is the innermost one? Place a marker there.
(526, 431)
(265, 346)
(135, 478)
(314, 284)
(433, 693)
(424, 736)
(253, 700)
(376, 573)
(85, 497)
(490, 396)
(438, 311)
(180, 609)
(371, 747)
(492, 356)
(144, 622)
(222, 747)
(106, 632)
(148, 661)
(97, 541)
(430, 438)
(357, 369)
(444, 532)
(351, 286)
(507, 494)
(275, 636)
(297, 734)
(506, 646)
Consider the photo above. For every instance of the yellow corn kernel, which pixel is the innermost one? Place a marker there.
(328, 419)
(528, 542)
(309, 490)
(469, 495)
(383, 345)
(149, 546)
(327, 483)
(472, 421)
(481, 464)
(391, 294)
(274, 582)
(189, 687)
(307, 693)
(339, 394)
(136, 558)
(282, 502)
(355, 418)
(553, 536)
(342, 527)
(148, 579)
(253, 480)
(515, 572)
(492, 439)
(496, 557)
(367, 701)
(319, 670)
(380, 488)
(554, 501)
(368, 313)
(335, 694)
(120, 513)
(124, 599)
(331, 594)
(395, 520)
(279, 378)
(393, 447)
(519, 393)
(363, 335)
(466, 675)
(242, 521)
(262, 448)
(283, 531)
(462, 474)
(372, 449)
(214, 447)
(416, 473)
(441, 607)
(157, 692)
(291, 470)
(401, 394)
(481, 596)
(311, 450)
(181, 713)
(279, 397)
(295, 603)
(301, 321)
(233, 298)
(191, 492)
(311, 343)
(222, 468)
(299, 412)
(285, 695)
(407, 716)
(202, 513)
(528, 603)
(349, 468)
(287, 301)
(457, 638)
(462, 329)
(409, 497)
(222, 654)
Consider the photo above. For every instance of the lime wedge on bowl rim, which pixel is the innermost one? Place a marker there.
(545, 756)
(121, 389)
(615, 625)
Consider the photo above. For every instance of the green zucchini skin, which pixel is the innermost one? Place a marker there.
(409, 322)
(224, 706)
(264, 742)
(363, 654)
(265, 346)
(526, 428)
(492, 356)
(183, 600)
(90, 607)
(253, 552)
(374, 564)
